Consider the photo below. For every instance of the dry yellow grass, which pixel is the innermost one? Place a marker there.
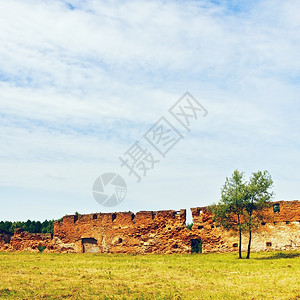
(204, 276)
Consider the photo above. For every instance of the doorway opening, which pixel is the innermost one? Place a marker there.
(89, 245)
(196, 246)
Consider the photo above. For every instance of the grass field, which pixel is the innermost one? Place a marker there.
(271, 275)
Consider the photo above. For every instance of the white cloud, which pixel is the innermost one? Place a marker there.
(79, 86)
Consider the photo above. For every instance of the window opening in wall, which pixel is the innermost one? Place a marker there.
(274, 223)
(263, 223)
(94, 217)
(200, 227)
(287, 222)
(276, 207)
(113, 217)
(235, 245)
(269, 244)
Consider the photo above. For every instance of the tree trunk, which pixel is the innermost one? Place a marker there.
(240, 237)
(240, 243)
(250, 230)
(249, 243)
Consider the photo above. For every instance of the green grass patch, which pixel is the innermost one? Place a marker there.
(267, 275)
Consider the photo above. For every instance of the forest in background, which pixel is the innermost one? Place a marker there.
(30, 226)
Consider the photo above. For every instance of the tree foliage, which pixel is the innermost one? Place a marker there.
(258, 197)
(30, 226)
(242, 203)
(230, 209)
(189, 226)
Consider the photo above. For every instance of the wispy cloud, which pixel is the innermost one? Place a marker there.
(81, 81)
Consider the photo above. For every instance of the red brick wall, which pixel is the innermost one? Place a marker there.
(160, 232)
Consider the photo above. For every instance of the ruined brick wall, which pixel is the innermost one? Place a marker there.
(165, 232)
(25, 241)
(279, 230)
(5, 238)
(143, 232)
(160, 232)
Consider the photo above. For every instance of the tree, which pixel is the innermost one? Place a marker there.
(27, 225)
(44, 227)
(189, 226)
(5, 225)
(30, 226)
(257, 198)
(15, 225)
(242, 204)
(230, 209)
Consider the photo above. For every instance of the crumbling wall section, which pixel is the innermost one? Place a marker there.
(160, 232)
(143, 232)
(5, 238)
(33, 242)
(279, 230)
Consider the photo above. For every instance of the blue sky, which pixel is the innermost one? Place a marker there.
(81, 81)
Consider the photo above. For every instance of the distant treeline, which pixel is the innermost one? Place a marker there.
(30, 226)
